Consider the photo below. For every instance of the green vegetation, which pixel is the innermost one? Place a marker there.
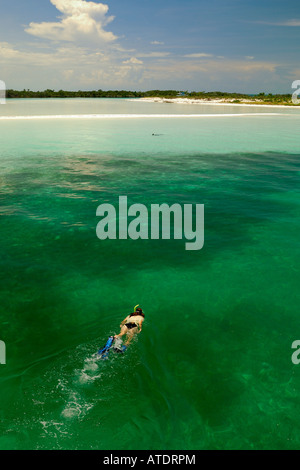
(72, 94)
(240, 97)
(260, 98)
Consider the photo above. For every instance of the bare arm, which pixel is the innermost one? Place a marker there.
(140, 325)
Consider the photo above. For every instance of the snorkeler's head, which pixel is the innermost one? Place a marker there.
(138, 310)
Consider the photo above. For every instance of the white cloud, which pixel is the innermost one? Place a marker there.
(80, 20)
(133, 61)
(157, 43)
(69, 67)
(80, 61)
(291, 23)
(198, 55)
(153, 54)
(59, 59)
(239, 71)
(7, 52)
(72, 67)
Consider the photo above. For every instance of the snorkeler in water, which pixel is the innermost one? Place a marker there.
(131, 325)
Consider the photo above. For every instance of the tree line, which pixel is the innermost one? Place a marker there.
(167, 94)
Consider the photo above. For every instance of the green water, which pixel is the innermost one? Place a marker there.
(212, 367)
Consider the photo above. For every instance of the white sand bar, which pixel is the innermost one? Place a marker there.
(134, 116)
(220, 102)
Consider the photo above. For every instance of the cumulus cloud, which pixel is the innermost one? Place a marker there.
(157, 43)
(80, 20)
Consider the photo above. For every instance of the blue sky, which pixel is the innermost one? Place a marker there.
(228, 45)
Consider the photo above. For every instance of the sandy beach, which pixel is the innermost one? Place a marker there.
(222, 102)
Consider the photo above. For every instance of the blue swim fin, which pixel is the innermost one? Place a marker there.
(104, 351)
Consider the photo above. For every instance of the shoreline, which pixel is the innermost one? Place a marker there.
(212, 102)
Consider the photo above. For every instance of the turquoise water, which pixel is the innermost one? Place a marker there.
(212, 368)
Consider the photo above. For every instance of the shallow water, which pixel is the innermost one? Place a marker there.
(212, 368)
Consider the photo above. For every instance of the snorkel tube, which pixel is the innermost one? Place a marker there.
(138, 311)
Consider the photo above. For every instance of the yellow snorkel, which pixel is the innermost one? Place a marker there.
(136, 307)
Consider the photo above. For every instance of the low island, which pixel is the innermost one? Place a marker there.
(168, 96)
